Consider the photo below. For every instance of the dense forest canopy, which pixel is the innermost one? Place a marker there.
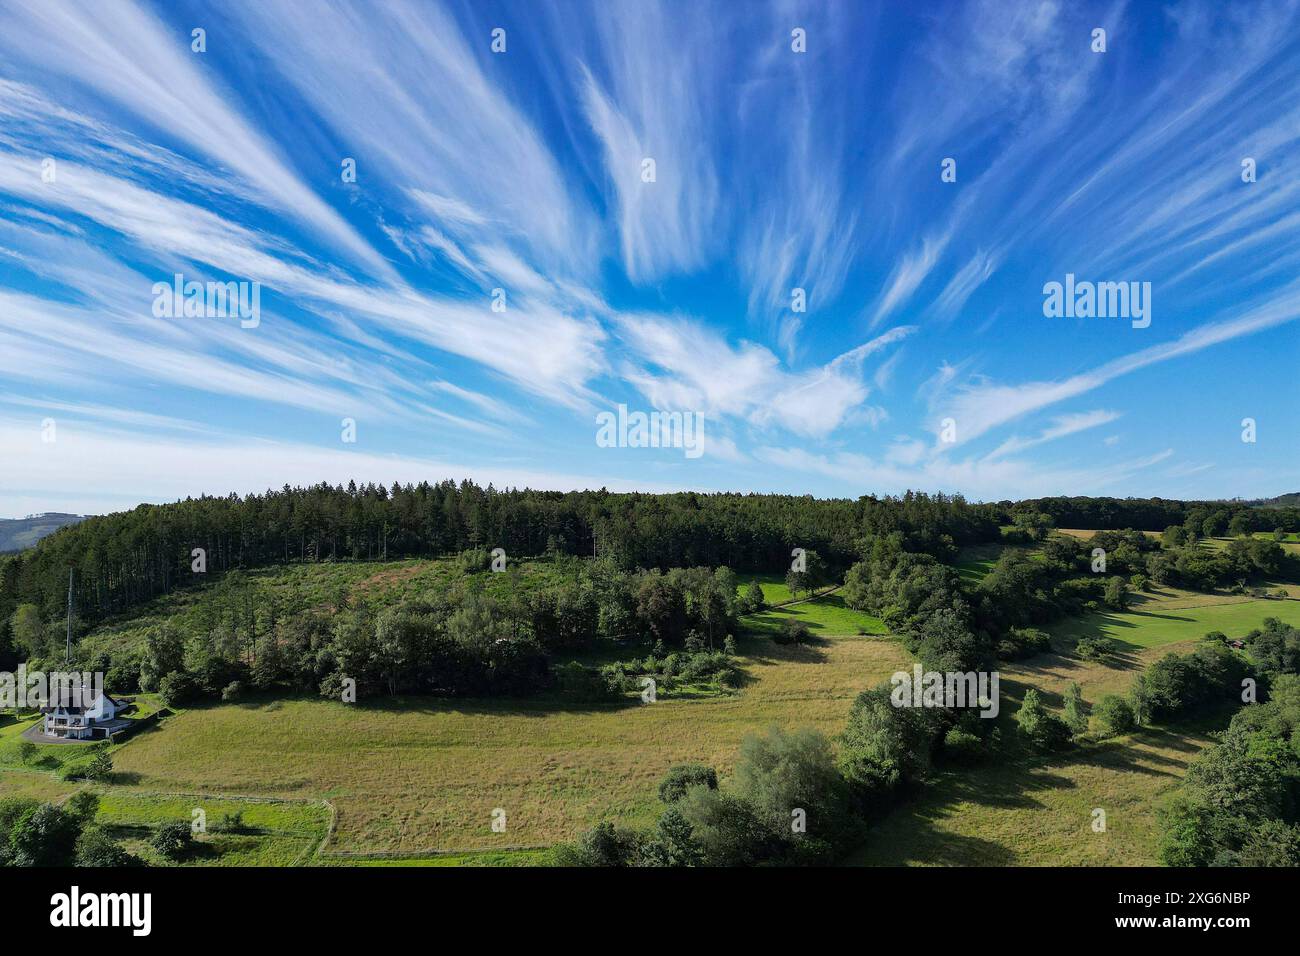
(121, 559)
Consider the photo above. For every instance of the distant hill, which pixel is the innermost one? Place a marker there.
(1291, 500)
(19, 533)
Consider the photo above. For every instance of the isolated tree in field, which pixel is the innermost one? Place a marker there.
(1095, 648)
(26, 751)
(1115, 715)
(797, 581)
(818, 574)
(812, 574)
(1116, 594)
(173, 840)
(1076, 711)
(792, 631)
(754, 599)
(1042, 728)
(100, 766)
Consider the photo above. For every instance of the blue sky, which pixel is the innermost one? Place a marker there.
(775, 170)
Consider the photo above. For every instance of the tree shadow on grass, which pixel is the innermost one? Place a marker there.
(1163, 617)
(204, 851)
(935, 848)
(761, 649)
(1106, 624)
(1012, 777)
(921, 819)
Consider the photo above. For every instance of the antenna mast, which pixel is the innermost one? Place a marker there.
(68, 654)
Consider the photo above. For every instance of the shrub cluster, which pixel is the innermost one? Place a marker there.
(787, 804)
(1239, 804)
(42, 834)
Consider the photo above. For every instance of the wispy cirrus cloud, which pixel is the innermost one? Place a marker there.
(685, 365)
(650, 96)
(1061, 427)
(122, 51)
(979, 407)
(514, 179)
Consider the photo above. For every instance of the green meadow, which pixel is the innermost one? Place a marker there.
(975, 561)
(1154, 624)
(271, 832)
(825, 616)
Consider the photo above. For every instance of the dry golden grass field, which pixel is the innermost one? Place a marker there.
(416, 775)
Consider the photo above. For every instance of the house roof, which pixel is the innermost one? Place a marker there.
(79, 710)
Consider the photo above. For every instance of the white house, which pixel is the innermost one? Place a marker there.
(85, 723)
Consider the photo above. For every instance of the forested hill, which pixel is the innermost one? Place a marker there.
(19, 533)
(1291, 500)
(124, 558)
